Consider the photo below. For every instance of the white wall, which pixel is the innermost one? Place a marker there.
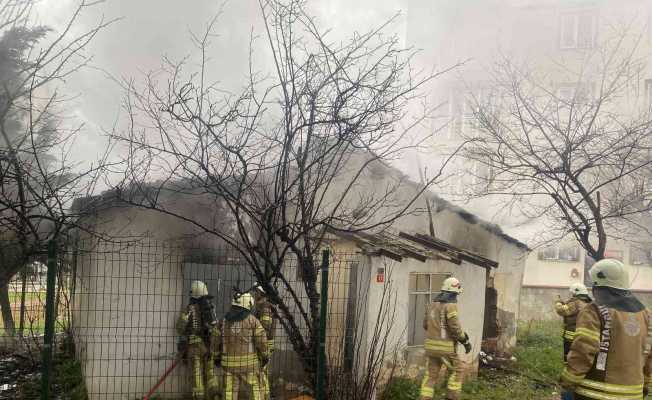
(124, 315)
(471, 302)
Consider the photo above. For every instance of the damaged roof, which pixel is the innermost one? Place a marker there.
(417, 246)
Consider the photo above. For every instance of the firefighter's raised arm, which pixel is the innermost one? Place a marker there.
(565, 309)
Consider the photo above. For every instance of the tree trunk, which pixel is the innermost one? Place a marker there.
(5, 309)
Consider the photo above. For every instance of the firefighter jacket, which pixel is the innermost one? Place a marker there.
(610, 356)
(266, 317)
(442, 325)
(569, 311)
(197, 326)
(243, 342)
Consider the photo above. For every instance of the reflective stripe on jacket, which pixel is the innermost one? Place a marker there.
(443, 328)
(243, 344)
(608, 358)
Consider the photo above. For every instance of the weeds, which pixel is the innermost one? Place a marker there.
(532, 376)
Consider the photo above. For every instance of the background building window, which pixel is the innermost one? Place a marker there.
(648, 93)
(578, 30)
(563, 252)
(423, 289)
(638, 256)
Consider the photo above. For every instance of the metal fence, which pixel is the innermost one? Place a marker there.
(119, 303)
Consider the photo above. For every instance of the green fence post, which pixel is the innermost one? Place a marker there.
(321, 355)
(49, 320)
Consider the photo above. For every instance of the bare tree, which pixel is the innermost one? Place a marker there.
(288, 158)
(569, 143)
(38, 178)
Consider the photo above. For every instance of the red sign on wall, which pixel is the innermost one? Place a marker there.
(380, 275)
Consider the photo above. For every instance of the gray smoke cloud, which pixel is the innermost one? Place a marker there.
(151, 29)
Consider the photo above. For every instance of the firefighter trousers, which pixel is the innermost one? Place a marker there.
(250, 381)
(204, 382)
(455, 369)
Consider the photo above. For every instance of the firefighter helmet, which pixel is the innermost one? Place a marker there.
(610, 273)
(578, 289)
(244, 300)
(259, 288)
(198, 289)
(452, 284)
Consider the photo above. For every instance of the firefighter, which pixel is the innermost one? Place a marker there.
(242, 349)
(569, 310)
(443, 332)
(266, 316)
(197, 327)
(610, 356)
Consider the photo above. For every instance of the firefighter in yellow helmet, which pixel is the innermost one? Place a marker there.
(242, 350)
(197, 327)
(443, 332)
(610, 357)
(569, 310)
(265, 314)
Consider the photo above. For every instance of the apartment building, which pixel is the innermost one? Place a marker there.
(555, 37)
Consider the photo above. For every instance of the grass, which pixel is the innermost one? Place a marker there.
(532, 376)
(14, 297)
(34, 313)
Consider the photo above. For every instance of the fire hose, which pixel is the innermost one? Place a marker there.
(162, 379)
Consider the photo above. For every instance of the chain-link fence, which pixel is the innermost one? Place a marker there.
(119, 303)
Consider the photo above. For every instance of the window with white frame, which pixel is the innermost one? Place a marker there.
(560, 252)
(423, 289)
(640, 256)
(574, 93)
(577, 30)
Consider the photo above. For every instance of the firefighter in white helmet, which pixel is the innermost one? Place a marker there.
(610, 356)
(197, 327)
(265, 314)
(569, 310)
(443, 332)
(242, 350)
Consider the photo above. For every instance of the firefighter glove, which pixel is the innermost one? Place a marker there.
(466, 343)
(467, 347)
(264, 360)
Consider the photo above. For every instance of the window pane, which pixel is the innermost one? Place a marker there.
(436, 280)
(412, 316)
(420, 311)
(423, 282)
(585, 31)
(639, 256)
(569, 253)
(413, 282)
(568, 29)
(548, 253)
